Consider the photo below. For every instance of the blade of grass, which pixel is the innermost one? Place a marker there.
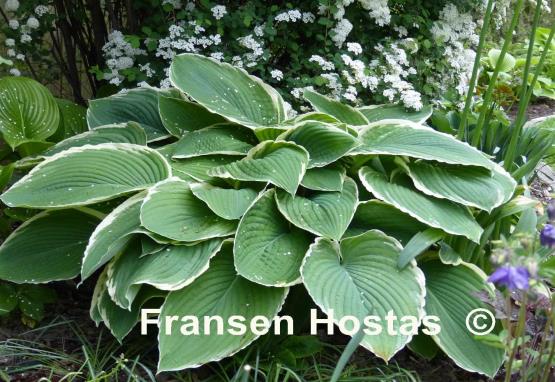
(477, 133)
(474, 77)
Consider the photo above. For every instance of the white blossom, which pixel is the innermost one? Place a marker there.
(41, 10)
(277, 74)
(32, 23)
(219, 11)
(9, 42)
(411, 99)
(401, 30)
(11, 52)
(354, 47)
(324, 64)
(217, 56)
(147, 70)
(308, 17)
(25, 38)
(289, 16)
(379, 11)
(15, 72)
(20, 57)
(11, 5)
(14, 24)
(341, 31)
(259, 30)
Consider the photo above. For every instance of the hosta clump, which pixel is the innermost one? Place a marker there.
(206, 200)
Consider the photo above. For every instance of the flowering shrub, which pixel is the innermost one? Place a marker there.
(354, 51)
(207, 192)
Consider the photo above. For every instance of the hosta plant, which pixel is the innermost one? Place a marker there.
(31, 120)
(207, 200)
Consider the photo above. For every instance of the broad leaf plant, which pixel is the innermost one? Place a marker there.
(206, 199)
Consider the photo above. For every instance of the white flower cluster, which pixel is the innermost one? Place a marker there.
(219, 11)
(354, 47)
(119, 55)
(277, 74)
(41, 10)
(457, 32)
(255, 46)
(295, 15)
(378, 10)
(324, 64)
(289, 16)
(11, 5)
(394, 72)
(182, 40)
(341, 31)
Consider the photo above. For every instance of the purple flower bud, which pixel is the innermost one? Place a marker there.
(513, 278)
(547, 236)
(551, 211)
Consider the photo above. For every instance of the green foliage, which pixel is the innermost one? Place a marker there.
(222, 219)
(33, 121)
(28, 299)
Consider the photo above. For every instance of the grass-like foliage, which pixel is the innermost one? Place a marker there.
(206, 200)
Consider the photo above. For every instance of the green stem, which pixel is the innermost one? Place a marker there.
(547, 367)
(475, 68)
(518, 334)
(524, 99)
(544, 341)
(491, 86)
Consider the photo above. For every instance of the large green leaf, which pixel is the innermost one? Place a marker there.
(439, 213)
(180, 116)
(325, 143)
(471, 186)
(227, 203)
(326, 214)
(359, 277)
(381, 112)
(119, 133)
(172, 210)
(375, 214)
(73, 120)
(315, 116)
(268, 250)
(227, 90)
(88, 174)
(172, 268)
(118, 320)
(451, 295)
(218, 292)
(112, 235)
(507, 64)
(324, 178)
(197, 168)
(398, 137)
(342, 112)
(228, 139)
(47, 247)
(136, 105)
(28, 112)
(280, 163)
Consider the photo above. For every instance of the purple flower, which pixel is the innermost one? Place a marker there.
(547, 236)
(551, 211)
(512, 277)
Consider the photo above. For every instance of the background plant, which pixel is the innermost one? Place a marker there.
(360, 52)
